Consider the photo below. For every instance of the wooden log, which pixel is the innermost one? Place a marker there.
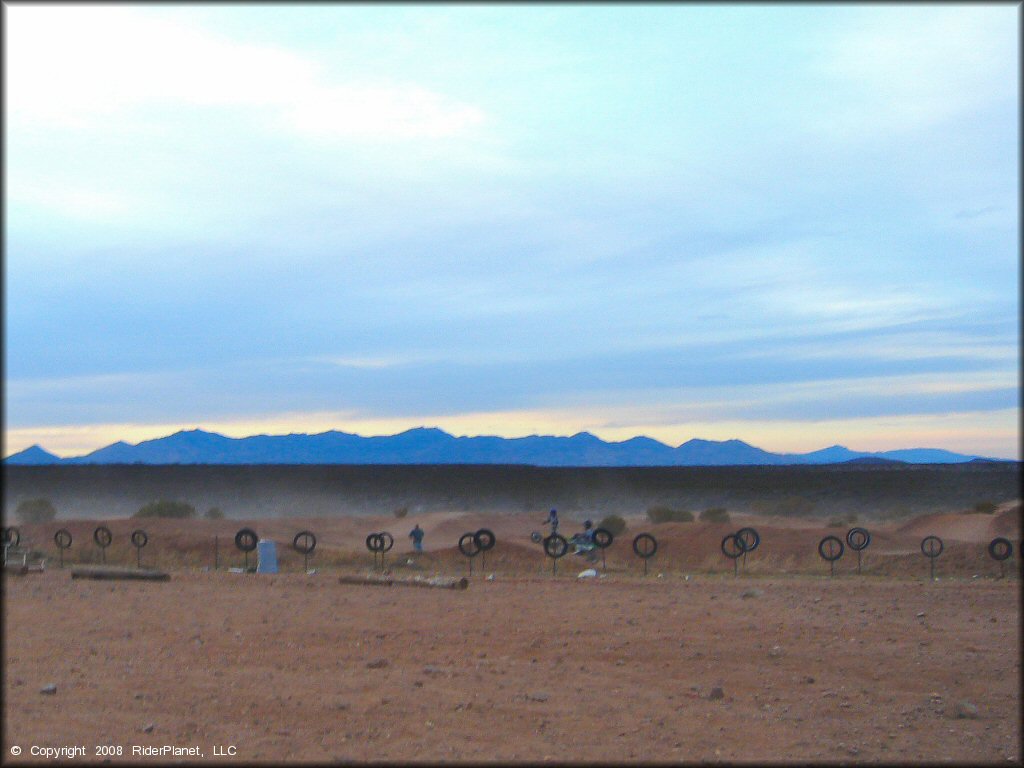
(115, 572)
(437, 582)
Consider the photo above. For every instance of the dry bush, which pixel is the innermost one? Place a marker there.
(714, 515)
(614, 524)
(36, 511)
(663, 514)
(163, 508)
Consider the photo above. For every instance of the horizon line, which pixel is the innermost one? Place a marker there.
(424, 427)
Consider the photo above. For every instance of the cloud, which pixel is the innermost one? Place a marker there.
(84, 66)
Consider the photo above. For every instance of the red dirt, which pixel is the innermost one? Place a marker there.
(283, 668)
(527, 667)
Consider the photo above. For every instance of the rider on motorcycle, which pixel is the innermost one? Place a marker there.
(585, 541)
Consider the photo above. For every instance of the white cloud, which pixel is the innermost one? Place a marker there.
(84, 66)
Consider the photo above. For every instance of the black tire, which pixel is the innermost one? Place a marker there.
(375, 542)
(555, 545)
(308, 544)
(388, 541)
(748, 538)
(12, 536)
(603, 538)
(929, 544)
(102, 536)
(1000, 548)
(833, 554)
(139, 538)
(731, 546)
(468, 545)
(62, 538)
(484, 539)
(246, 539)
(648, 551)
(858, 538)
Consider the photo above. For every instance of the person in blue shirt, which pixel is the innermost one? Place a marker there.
(416, 534)
(552, 521)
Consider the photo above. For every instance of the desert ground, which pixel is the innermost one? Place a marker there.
(686, 664)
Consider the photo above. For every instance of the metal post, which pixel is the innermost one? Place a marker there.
(831, 567)
(216, 553)
(735, 568)
(931, 561)
(858, 561)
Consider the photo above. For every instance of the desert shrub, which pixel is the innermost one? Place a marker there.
(662, 514)
(714, 515)
(214, 513)
(35, 511)
(163, 508)
(401, 512)
(614, 524)
(985, 507)
(836, 522)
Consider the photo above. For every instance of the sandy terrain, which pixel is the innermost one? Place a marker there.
(525, 667)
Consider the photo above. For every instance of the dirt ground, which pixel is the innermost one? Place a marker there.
(294, 667)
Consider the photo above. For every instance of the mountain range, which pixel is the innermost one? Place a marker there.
(427, 445)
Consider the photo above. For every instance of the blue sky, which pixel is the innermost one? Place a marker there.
(795, 225)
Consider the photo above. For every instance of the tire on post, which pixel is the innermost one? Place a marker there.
(484, 539)
(731, 546)
(246, 540)
(858, 538)
(831, 548)
(931, 546)
(555, 546)
(641, 546)
(1000, 548)
(748, 538)
(304, 542)
(468, 545)
(603, 538)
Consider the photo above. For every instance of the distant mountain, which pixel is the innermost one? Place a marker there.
(434, 446)
(33, 455)
(876, 460)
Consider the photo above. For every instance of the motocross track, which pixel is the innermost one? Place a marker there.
(528, 666)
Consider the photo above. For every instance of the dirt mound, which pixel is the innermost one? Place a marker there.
(1007, 521)
(974, 528)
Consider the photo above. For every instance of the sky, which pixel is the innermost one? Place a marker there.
(795, 225)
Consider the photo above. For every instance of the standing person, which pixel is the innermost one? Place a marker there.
(416, 534)
(552, 521)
